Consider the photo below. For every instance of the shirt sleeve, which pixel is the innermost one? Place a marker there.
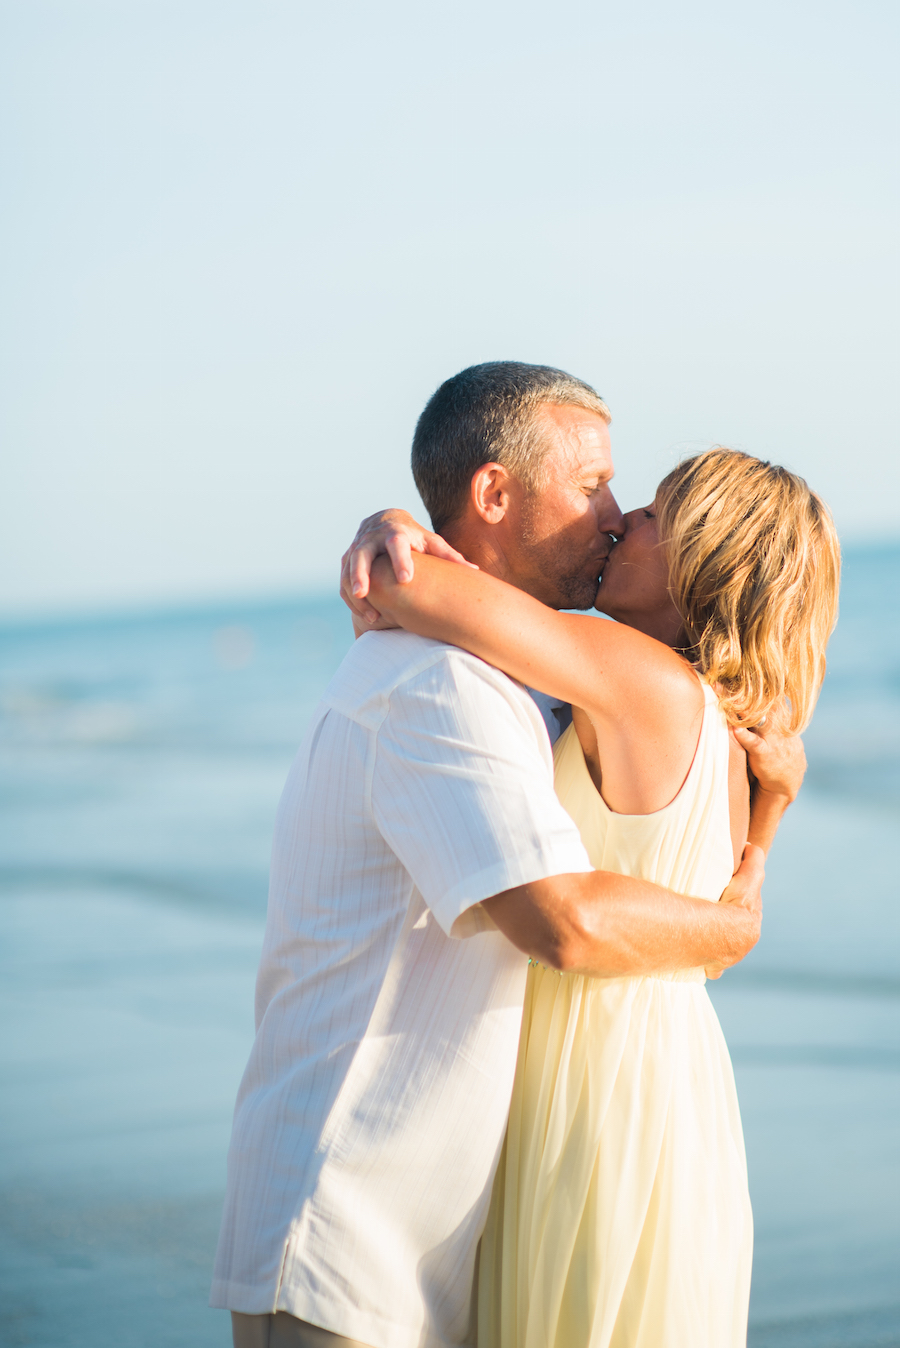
(462, 790)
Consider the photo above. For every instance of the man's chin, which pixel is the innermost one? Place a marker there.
(578, 593)
(597, 601)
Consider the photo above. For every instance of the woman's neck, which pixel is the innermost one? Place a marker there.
(664, 625)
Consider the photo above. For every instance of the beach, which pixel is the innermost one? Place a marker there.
(142, 761)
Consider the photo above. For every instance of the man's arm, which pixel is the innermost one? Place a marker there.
(610, 925)
(777, 764)
(462, 794)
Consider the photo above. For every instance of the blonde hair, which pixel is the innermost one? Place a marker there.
(754, 568)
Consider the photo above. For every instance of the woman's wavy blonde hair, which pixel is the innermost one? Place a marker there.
(754, 570)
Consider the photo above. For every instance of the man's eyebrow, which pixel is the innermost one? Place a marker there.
(603, 471)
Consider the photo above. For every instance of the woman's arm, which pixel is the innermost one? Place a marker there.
(606, 668)
(396, 533)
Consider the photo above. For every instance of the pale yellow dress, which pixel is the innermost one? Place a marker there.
(620, 1216)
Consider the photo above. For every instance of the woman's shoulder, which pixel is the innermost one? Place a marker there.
(645, 678)
(639, 748)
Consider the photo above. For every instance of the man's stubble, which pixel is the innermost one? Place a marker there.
(557, 566)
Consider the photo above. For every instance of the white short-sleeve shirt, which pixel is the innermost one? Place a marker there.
(371, 1114)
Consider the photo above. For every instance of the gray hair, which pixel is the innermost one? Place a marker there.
(488, 414)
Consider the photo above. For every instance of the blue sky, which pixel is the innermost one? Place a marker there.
(242, 243)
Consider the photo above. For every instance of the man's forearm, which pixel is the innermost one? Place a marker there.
(777, 765)
(766, 813)
(610, 925)
(639, 928)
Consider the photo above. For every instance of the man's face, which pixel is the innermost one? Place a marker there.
(560, 536)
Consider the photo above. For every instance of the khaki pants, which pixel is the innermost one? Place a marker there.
(284, 1331)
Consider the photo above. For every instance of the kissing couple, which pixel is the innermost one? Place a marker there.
(489, 1099)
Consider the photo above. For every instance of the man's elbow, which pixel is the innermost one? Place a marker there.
(558, 947)
(574, 949)
(552, 953)
(557, 923)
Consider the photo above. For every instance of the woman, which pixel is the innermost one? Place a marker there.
(620, 1216)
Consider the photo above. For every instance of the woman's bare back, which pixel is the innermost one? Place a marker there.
(617, 792)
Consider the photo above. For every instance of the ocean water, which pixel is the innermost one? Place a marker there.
(141, 760)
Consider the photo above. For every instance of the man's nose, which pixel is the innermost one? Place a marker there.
(610, 518)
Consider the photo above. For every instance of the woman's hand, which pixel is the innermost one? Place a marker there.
(397, 534)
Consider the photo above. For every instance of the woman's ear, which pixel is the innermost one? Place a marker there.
(489, 492)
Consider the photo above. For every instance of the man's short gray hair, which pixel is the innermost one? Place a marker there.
(487, 414)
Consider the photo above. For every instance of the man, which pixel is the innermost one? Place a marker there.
(420, 854)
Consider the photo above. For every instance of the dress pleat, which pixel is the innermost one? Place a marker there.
(620, 1216)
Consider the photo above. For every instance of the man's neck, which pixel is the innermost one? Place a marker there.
(481, 547)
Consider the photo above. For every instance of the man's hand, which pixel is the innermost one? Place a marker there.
(396, 533)
(745, 890)
(777, 762)
(613, 926)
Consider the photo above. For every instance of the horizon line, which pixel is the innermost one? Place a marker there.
(163, 605)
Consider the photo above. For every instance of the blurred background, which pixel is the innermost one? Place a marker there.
(241, 245)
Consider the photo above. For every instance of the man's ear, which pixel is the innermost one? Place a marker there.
(490, 492)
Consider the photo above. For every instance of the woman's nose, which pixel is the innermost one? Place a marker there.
(632, 520)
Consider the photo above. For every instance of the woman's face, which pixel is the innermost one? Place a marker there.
(635, 584)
